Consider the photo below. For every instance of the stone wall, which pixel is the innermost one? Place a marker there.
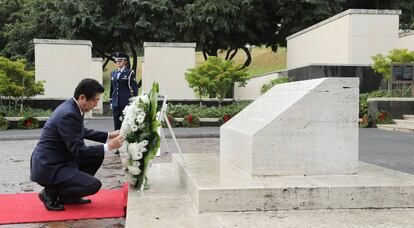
(396, 106)
(350, 37)
(369, 80)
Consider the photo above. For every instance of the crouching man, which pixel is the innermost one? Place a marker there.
(61, 162)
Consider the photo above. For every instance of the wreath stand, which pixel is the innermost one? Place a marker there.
(162, 117)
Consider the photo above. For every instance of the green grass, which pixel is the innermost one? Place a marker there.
(263, 61)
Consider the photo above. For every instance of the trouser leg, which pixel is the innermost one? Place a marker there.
(89, 165)
(117, 113)
(81, 185)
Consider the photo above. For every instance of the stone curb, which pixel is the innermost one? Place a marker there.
(167, 135)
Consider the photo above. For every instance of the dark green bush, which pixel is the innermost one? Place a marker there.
(179, 110)
(27, 111)
(273, 82)
(363, 97)
(4, 124)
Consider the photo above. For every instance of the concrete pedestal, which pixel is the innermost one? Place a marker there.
(216, 185)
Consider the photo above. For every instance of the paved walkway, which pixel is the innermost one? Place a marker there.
(389, 149)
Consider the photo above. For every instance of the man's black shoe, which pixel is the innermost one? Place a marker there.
(76, 201)
(51, 205)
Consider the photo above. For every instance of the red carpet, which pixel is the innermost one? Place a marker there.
(27, 208)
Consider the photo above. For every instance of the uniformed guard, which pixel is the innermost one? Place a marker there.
(123, 87)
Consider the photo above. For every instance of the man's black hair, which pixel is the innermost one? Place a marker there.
(88, 87)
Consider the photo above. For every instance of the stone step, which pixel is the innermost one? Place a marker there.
(215, 185)
(397, 127)
(404, 121)
(167, 204)
(408, 117)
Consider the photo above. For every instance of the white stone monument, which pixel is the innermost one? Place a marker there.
(62, 64)
(300, 128)
(295, 147)
(166, 63)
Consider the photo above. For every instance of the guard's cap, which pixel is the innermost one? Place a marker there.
(120, 56)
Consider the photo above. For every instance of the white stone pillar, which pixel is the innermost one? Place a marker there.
(166, 63)
(62, 64)
(96, 73)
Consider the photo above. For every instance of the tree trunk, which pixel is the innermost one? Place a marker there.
(234, 54)
(134, 57)
(205, 55)
(108, 58)
(230, 57)
(228, 53)
(249, 57)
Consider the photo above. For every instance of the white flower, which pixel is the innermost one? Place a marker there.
(131, 179)
(144, 98)
(136, 164)
(134, 170)
(141, 117)
(134, 128)
(137, 149)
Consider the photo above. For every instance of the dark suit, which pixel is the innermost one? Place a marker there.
(121, 89)
(61, 160)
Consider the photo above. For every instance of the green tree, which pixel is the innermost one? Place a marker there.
(216, 77)
(18, 83)
(33, 20)
(8, 11)
(382, 64)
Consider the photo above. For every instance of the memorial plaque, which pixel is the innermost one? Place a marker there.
(401, 73)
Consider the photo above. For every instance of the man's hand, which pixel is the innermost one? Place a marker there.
(113, 134)
(116, 142)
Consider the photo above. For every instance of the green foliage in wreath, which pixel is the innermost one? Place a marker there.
(366, 121)
(224, 119)
(383, 117)
(191, 121)
(28, 122)
(172, 121)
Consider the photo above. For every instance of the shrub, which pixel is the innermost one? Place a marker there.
(28, 122)
(191, 121)
(27, 111)
(216, 77)
(273, 82)
(4, 124)
(382, 64)
(18, 83)
(179, 110)
(363, 97)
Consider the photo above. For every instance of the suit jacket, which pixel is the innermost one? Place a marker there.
(121, 87)
(62, 143)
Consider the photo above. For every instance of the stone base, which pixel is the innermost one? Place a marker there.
(216, 185)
